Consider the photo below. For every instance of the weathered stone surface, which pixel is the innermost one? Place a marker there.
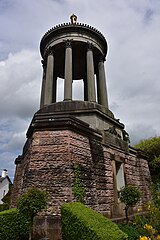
(48, 161)
(47, 227)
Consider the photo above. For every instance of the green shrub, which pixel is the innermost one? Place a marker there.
(149, 223)
(82, 223)
(13, 225)
(130, 230)
(144, 226)
(30, 203)
(129, 195)
(4, 207)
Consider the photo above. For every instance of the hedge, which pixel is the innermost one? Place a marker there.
(13, 225)
(131, 230)
(82, 223)
(4, 207)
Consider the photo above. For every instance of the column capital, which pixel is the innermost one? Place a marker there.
(102, 58)
(68, 43)
(90, 46)
(49, 51)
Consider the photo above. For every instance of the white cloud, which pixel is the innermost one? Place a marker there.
(20, 79)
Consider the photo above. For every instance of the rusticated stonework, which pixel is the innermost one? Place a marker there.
(49, 156)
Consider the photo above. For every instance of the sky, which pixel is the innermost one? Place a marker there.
(132, 31)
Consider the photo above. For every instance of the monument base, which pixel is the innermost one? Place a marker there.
(57, 142)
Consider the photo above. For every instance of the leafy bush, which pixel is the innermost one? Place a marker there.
(13, 225)
(146, 225)
(130, 230)
(151, 148)
(32, 202)
(129, 195)
(149, 224)
(155, 196)
(4, 207)
(82, 223)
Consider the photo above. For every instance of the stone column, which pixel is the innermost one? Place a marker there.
(48, 93)
(90, 75)
(43, 85)
(101, 84)
(68, 72)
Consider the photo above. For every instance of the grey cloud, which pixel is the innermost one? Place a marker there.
(20, 80)
(140, 132)
(7, 162)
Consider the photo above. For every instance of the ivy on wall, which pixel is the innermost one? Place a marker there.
(78, 189)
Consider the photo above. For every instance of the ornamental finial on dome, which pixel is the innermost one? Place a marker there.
(73, 19)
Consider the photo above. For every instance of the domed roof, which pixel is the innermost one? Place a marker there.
(70, 27)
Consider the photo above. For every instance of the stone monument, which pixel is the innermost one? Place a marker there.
(83, 132)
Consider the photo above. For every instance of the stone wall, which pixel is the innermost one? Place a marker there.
(137, 173)
(48, 161)
(53, 147)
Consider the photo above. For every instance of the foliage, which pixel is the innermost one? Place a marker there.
(130, 230)
(4, 207)
(151, 148)
(156, 196)
(147, 224)
(7, 198)
(78, 189)
(82, 223)
(129, 195)
(32, 202)
(13, 225)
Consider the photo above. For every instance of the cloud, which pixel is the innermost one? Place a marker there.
(140, 132)
(7, 162)
(20, 80)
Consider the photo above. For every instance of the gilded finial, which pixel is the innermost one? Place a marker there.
(73, 19)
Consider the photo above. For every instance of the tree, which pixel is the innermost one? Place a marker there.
(129, 195)
(30, 203)
(151, 148)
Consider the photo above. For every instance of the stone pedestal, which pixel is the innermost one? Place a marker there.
(47, 228)
(56, 142)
